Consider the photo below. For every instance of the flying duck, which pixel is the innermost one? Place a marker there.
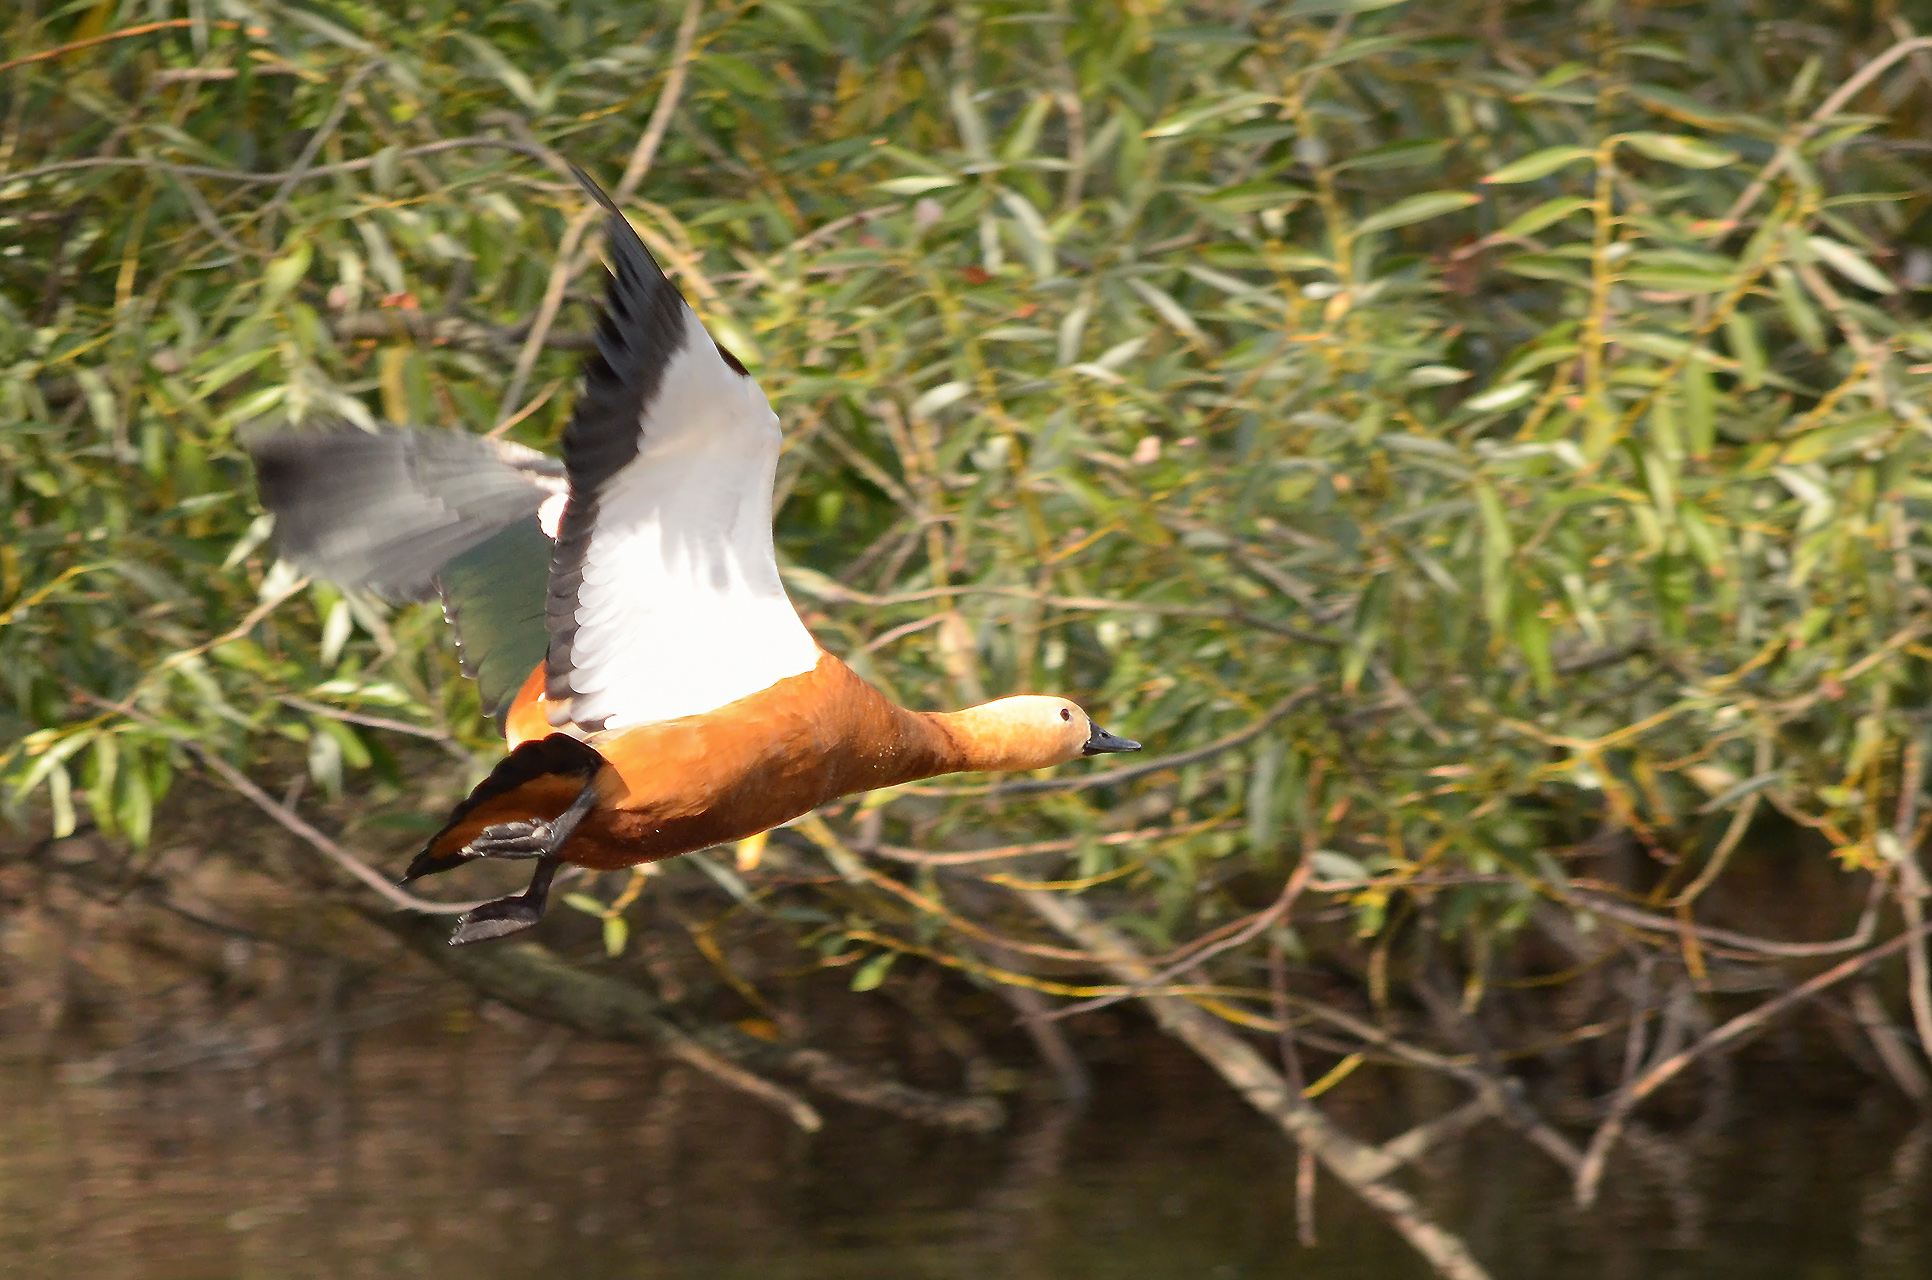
(622, 611)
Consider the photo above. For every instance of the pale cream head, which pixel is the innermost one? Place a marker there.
(1029, 731)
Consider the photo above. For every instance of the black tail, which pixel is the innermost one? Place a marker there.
(561, 757)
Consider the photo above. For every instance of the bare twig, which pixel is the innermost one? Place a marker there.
(534, 980)
(1913, 891)
(1114, 777)
(373, 722)
(244, 178)
(1604, 906)
(569, 261)
(1788, 150)
(394, 322)
(1589, 1175)
(1354, 1163)
(292, 822)
(145, 28)
(1890, 1043)
(337, 110)
(1263, 919)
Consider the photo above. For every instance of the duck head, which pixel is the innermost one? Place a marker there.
(1029, 731)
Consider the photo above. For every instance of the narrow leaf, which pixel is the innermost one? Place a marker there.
(1849, 263)
(1430, 204)
(1547, 214)
(1540, 164)
(1691, 153)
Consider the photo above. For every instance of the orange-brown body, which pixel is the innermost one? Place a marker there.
(674, 786)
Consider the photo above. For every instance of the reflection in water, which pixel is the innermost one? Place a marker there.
(446, 1145)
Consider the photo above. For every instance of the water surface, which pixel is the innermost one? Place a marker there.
(444, 1145)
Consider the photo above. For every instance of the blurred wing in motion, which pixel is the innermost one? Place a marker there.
(385, 512)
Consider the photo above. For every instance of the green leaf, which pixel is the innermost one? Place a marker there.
(1700, 409)
(1263, 813)
(1742, 335)
(874, 971)
(1193, 118)
(135, 812)
(1430, 204)
(284, 273)
(1507, 396)
(1677, 279)
(1329, 8)
(1539, 164)
(1407, 154)
(918, 184)
(1547, 214)
(1498, 549)
(1849, 263)
(1798, 312)
(1689, 153)
(1533, 639)
(617, 932)
(1252, 197)
(60, 795)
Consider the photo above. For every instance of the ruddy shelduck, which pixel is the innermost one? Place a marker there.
(622, 611)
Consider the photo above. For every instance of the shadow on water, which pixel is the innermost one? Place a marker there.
(449, 1145)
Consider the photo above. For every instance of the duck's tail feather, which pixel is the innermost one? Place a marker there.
(538, 780)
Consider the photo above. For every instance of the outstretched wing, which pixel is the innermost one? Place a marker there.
(413, 515)
(385, 511)
(664, 595)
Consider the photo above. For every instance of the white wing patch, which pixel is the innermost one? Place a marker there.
(680, 609)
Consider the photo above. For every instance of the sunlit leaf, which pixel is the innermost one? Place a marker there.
(1690, 153)
(1414, 209)
(1847, 262)
(1540, 164)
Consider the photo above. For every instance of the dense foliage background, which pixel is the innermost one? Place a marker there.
(1478, 446)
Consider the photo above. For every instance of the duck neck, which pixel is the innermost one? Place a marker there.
(977, 740)
(896, 745)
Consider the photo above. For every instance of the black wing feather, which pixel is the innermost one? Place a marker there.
(641, 331)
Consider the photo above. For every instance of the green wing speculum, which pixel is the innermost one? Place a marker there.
(493, 595)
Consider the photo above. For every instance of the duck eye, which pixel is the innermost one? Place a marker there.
(1065, 714)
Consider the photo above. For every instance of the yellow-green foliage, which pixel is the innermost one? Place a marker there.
(1538, 386)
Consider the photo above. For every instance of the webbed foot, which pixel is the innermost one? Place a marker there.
(506, 916)
(528, 839)
(531, 837)
(496, 919)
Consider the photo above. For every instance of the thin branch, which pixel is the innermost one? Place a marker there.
(455, 331)
(569, 262)
(291, 821)
(437, 736)
(1590, 1174)
(1263, 919)
(1859, 937)
(1913, 891)
(1889, 1043)
(146, 28)
(1788, 150)
(1359, 1166)
(246, 178)
(1114, 777)
(534, 980)
(967, 857)
(337, 110)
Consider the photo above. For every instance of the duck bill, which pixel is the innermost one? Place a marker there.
(1100, 742)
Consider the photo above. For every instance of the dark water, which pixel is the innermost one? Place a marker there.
(443, 1145)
